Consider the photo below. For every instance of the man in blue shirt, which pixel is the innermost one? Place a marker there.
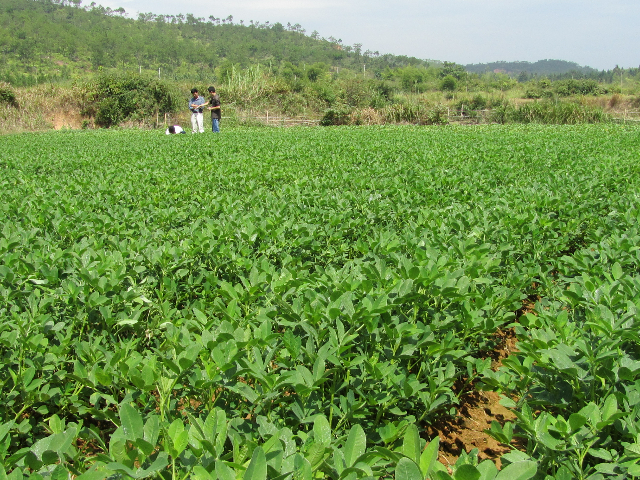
(195, 106)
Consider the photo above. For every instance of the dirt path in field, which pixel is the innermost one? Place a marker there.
(476, 412)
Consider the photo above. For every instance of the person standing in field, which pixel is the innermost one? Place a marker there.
(196, 105)
(214, 106)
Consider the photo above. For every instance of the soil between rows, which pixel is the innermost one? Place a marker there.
(476, 411)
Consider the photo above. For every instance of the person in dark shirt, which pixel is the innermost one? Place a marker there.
(214, 106)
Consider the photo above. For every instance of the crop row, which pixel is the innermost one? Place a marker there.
(276, 303)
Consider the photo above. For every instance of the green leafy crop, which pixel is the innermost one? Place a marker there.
(303, 303)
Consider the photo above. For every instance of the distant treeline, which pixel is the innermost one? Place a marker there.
(541, 67)
(550, 69)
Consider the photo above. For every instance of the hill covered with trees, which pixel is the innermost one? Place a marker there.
(56, 40)
(48, 40)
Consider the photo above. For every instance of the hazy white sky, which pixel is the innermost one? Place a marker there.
(596, 33)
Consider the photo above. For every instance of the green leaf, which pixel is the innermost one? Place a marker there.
(406, 469)
(466, 472)
(144, 446)
(488, 470)
(158, 464)
(355, 446)
(616, 271)
(202, 318)
(93, 475)
(302, 468)
(316, 454)
(27, 376)
(388, 432)
(576, 421)
(338, 461)
(6, 428)
(610, 407)
(32, 461)
(199, 473)
(429, 456)
(175, 428)
(180, 441)
(442, 475)
(633, 469)
(55, 424)
(49, 457)
(601, 453)
(257, 469)
(132, 425)
(592, 413)
(411, 443)
(322, 430)
(152, 429)
(518, 471)
(121, 468)
(223, 472)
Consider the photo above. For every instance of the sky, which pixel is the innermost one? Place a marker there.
(596, 33)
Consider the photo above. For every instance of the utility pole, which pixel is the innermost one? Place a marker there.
(158, 73)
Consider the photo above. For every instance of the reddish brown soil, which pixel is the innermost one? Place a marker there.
(466, 430)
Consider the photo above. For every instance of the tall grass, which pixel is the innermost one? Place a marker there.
(548, 112)
(37, 108)
(246, 86)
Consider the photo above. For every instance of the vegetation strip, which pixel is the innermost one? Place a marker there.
(309, 302)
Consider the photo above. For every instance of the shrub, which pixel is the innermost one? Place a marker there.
(384, 89)
(355, 93)
(336, 116)
(500, 113)
(7, 95)
(478, 102)
(448, 84)
(564, 88)
(110, 112)
(533, 94)
(437, 115)
(116, 98)
(325, 93)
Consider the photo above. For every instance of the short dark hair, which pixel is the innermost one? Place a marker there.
(172, 129)
(212, 89)
(194, 90)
